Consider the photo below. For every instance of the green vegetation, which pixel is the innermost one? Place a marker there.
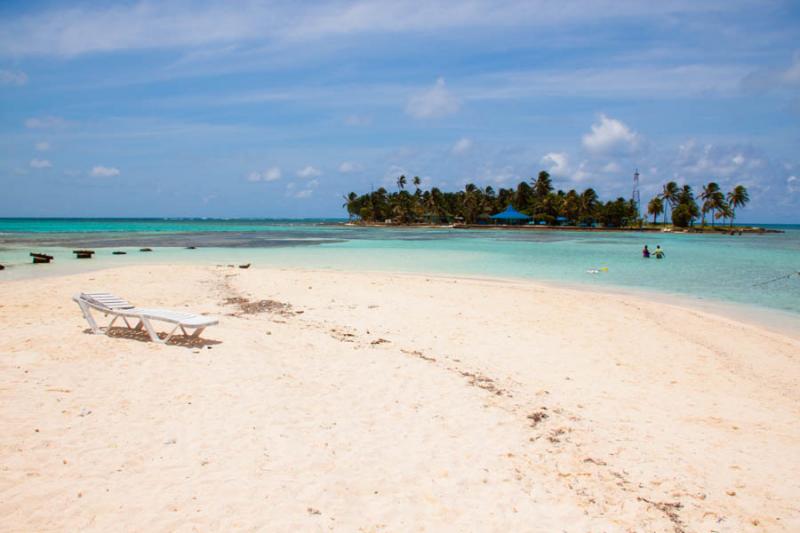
(539, 200)
(685, 209)
(475, 205)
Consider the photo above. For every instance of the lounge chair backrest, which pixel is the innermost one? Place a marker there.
(106, 300)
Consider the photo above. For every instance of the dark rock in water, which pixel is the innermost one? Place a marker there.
(145, 249)
(191, 247)
(118, 253)
(41, 258)
(245, 266)
(2, 267)
(83, 254)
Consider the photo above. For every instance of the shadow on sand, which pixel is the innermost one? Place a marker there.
(185, 341)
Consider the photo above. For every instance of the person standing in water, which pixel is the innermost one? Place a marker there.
(658, 252)
(646, 252)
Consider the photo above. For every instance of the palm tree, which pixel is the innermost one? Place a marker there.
(350, 204)
(401, 182)
(543, 185)
(670, 195)
(738, 197)
(655, 207)
(588, 204)
(723, 211)
(709, 196)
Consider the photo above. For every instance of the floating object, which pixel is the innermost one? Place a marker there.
(191, 247)
(83, 254)
(245, 266)
(597, 270)
(118, 252)
(145, 249)
(2, 267)
(41, 258)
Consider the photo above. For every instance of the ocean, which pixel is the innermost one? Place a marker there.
(746, 269)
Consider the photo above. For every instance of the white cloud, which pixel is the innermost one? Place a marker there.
(306, 191)
(42, 146)
(104, 172)
(738, 159)
(308, 172)
(432, 103)
(347, 167)
(774, 79)
(793, 184)
(40, 163)
(91, 27)
(45, 122)
(610, 136)
(9, 77)
(557, 163)
(611, 167)
(271, 174)
(462, 145)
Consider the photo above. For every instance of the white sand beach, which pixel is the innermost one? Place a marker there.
(385, 402)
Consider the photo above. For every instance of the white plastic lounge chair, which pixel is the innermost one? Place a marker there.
(108, 304)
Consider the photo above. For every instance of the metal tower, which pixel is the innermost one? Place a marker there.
(635, 196)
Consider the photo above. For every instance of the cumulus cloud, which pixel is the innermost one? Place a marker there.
(40, 163)
(432, 103)
(271, 174)
(461, 146)
(347, 167)
(104, 172)
(557, 164)
(48, 122)
(610, 136)
(717, 161)
(793, 184)
(308, 172)
(42, 146)
(305, 191)
(10, 77)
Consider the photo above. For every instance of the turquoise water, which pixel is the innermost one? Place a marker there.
(710, 267)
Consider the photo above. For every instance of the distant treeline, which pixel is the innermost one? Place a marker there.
(537, 199)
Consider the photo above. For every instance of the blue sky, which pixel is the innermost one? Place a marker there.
(273, 109)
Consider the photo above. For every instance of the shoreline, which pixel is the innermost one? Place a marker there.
(777, 320)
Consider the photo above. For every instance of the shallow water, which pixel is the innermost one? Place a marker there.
(711, 267)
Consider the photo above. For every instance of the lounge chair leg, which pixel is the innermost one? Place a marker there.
(184, 332)
(197, 332)
(171, 333)
(124, 319)
(87, 314)
(138, 326)
(111, 324)
(151, 331)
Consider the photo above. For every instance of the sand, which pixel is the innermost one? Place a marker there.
(387, 402)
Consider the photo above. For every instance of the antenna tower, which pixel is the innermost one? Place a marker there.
(635, 196)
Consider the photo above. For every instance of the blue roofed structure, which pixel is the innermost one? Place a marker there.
(510, 216)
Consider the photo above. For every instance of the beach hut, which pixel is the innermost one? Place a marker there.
(510, 216)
